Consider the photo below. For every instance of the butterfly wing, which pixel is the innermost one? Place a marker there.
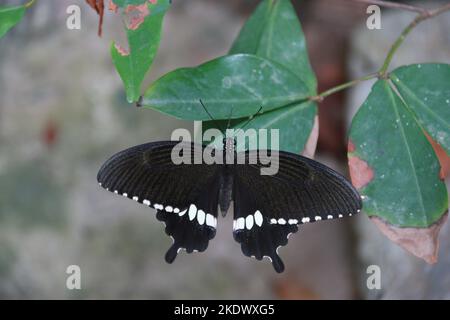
(270, 207)
(184, 195)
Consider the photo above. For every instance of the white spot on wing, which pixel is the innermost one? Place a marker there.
(293, 221)
(281, 221)
(146, 202)
(169, 209)
(135, 198)
(273, 221)
(318, 218)
(240, 223)
(176, 210)
(258, 218)
(192, 211)
(210, 220)
(249, 222)
(329, 217)
(201, 216)
(305, 220)
(125, 194)
(182, 213)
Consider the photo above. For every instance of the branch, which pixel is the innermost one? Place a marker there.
(394, 5)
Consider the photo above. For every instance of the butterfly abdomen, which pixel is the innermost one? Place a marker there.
(226, 189)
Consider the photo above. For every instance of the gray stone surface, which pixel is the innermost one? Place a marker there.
(53, 214)
(403, 275)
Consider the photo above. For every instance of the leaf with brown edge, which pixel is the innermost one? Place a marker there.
(392, 163)
(421, 242)
(143, 25)
(99, 7)
(444, 158)
(361, 173)
(396, 169)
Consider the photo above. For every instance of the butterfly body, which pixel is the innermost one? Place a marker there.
(267, 208)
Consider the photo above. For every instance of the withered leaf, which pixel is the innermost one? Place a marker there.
(421, 242)
(99, 7)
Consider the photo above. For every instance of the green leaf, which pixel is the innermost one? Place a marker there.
(393, 164)
(274, 32)
(125, 3)
(425, 88)
(239, 83)
(9, 17)
(133, 64)
(294, 123)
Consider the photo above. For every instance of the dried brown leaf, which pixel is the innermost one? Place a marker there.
(99, 7)
(421, 242)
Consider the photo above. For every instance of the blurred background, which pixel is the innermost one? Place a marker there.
(63, 112)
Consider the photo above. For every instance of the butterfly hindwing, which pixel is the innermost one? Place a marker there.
(184, 195)
(301, 191)
(253, 230)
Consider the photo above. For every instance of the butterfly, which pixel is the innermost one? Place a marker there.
(267, 208)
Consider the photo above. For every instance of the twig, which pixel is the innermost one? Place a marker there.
(424, 14)
(394, 5)
(343, 86)
(29, 3)
(427, 14)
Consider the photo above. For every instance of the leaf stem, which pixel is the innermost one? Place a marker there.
(343, 86)
(29, 3)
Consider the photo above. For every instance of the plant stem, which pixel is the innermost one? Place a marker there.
(393, 5)
(425, 15)
(343, 86)
(29, 3)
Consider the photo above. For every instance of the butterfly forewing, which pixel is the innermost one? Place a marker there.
(184, 195)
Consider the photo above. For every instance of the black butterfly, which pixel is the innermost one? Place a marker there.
(267, 208)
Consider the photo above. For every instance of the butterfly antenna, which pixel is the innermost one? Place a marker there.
(209, 114)
(206, 110)
(250, 119)
(229, 117)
